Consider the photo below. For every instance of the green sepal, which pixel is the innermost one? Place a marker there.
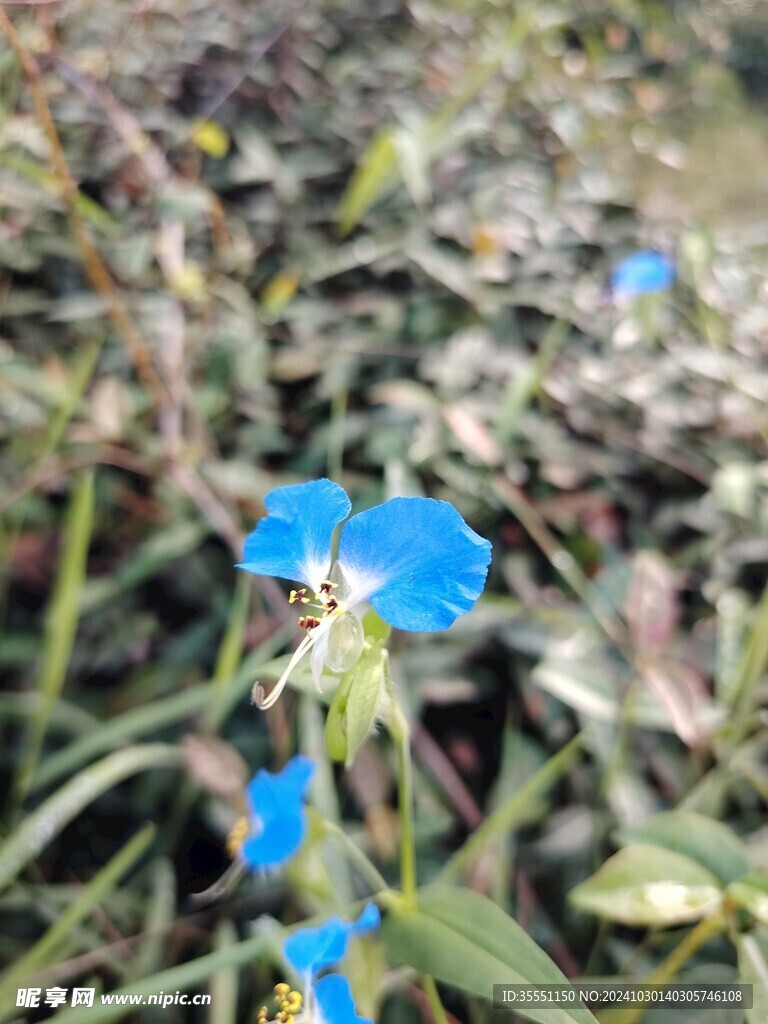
(355, 704)
(375, 628)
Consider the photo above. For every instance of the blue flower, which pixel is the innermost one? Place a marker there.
(643, 273)
(277, 821)
(414, 559)
(311, 949)
(334, 1002)
(329, 1000)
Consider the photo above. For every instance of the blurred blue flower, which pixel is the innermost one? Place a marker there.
(414, 559)
(643, 273)
(334, 1002)
(309, 950)
(277, 821)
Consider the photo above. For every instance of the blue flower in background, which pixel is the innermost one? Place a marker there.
(277, 821)
(334, 1003)
(414, 559)
(643, 273)
(309, 950)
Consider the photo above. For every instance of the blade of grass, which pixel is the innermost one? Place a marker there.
(378, 171)
(709, 793)
(224, 987)
(148, 718)
(513, 811)
(230, 652)
(160, 915)
(523, 386)
(182, 978)
(60, 625)
(38, 828)
(563, 562)
(92, 895)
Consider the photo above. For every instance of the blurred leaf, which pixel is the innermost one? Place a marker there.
(753, 970)
(215, 765)
(652, 607)
(711, 843)
(649, 885)
(751, 892)
(463, 939)
(212, 139)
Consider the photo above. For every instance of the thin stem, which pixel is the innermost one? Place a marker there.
(400, 733)
(677, 959)
(433, 998)
(357, 857)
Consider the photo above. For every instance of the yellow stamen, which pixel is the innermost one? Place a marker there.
(237, 836)
(298, 595)
(281, 990)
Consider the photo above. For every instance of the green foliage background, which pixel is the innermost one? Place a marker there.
(383, 258)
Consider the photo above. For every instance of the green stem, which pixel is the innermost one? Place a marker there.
(400, 733)
(357, 857)
(674, 963)
(433, 998)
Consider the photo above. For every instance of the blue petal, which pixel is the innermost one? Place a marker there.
(280, 839)
(310, 949)
(294, 540)
(271, 795)
(369, 920)
(276, 802)
(416, 561)
(335, 1003)
(642, 273)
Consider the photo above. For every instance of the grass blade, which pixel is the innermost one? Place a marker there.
(35, 832)
(94, 893)
(513, 811)
(60, 624)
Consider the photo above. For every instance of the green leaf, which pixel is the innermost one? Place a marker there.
(648, 885)
(753, 970)
(751, 893)
(60, 622)
(375, 174)
(711, 843)
(463, 939)
(352, 714)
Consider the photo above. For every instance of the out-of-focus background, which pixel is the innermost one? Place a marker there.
(244, 245)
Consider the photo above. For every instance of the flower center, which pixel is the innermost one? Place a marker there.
(324, 604)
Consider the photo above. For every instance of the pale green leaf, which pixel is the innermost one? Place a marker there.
(709, 842)
(648, 885)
